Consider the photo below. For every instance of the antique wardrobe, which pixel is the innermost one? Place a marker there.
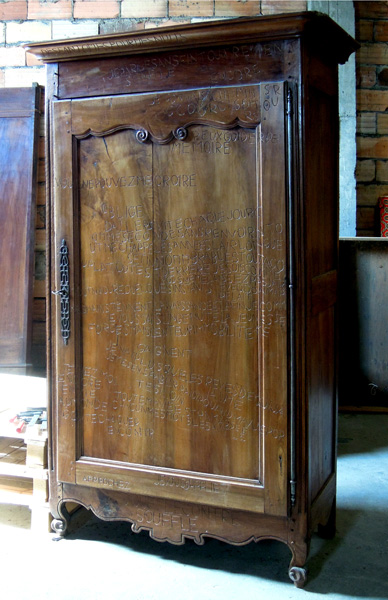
(193, 184)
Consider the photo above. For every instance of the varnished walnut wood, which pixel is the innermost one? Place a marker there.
(314, 27)
(197, 393)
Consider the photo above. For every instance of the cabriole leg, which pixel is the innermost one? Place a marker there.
(298, 576)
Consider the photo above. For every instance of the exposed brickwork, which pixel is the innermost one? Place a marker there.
(371, 10)
(372, 100)
(13, 10)
(368, 193)
(366, 76)
(28, 31)
(67, 29)
(366, 123)
(12, 57)
(381, 31)
(366, 170)
(382, 171)
(120, 25)
(364, 31)
(192, 8)
(32, 61)
(88, 9)
(372, 147)
(372, 109)
(382, 124)
(164, 23)
(24, 76)
(48, 9)
(272, 7)
(138, 9)
(236, 8)
(373, 53)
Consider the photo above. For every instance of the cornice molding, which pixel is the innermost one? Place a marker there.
(319, 29)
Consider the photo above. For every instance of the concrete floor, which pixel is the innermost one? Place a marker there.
(106, 560)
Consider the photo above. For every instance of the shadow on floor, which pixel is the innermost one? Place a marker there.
(354, 563)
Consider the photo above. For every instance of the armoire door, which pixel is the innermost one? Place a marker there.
(171, 329)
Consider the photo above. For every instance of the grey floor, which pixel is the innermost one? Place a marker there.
(106, 560)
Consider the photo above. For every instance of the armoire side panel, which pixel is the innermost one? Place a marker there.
(322, 264)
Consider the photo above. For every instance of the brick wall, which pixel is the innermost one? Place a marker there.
(372, 112)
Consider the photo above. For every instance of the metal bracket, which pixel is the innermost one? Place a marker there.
(64, 291)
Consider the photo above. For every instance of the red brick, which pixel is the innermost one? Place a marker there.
(368, 147)
(381, 31)
(371, 10)
(271, 7)
(190, 8)
(366, 77)
(13, 10)
(39, 9)
(236, 8)
(89, 9)
(373, 54)
(364, 31)
(365, 170)
(372, 100)
(139, 9)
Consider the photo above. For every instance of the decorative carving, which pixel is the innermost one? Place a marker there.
(180, 133)
(142, 135)
(298, 576)
(165, 117)
(59, 527)
(64, 291)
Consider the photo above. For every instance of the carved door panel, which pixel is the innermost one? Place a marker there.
(171, 350)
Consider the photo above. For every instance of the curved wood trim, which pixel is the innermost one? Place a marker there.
(149, 136)
(183, 520)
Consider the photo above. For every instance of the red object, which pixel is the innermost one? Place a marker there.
(383, 202)
(21, 427)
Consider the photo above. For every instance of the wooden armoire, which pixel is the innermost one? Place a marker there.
(193, 184)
